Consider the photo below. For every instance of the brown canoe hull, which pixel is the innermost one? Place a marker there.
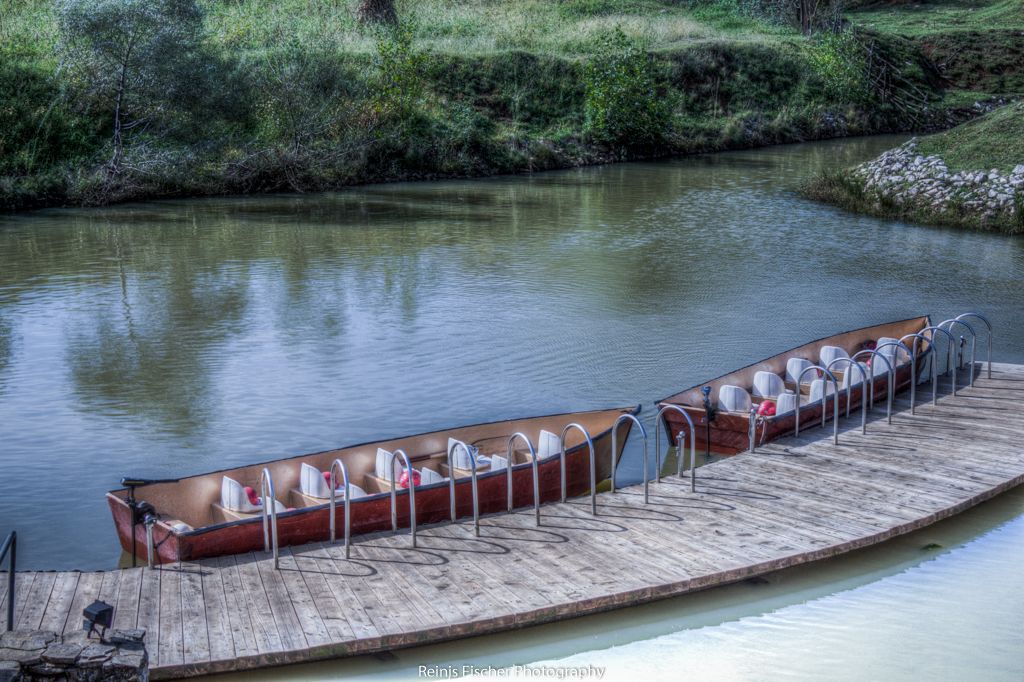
(312, 524)
(730, 433)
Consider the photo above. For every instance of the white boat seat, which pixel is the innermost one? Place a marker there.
(827, 354)
(859, 369)
(733, 399)
(795, 366)
(460, 456)
(498, 462)
(428, 476)
(313, 483)
(234, 497)
(768, 385)
(381, 469)
(817, 386)
(785, 403)
(890, 351)
(548, 444)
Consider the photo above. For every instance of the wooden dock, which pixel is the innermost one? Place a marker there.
(794, 501)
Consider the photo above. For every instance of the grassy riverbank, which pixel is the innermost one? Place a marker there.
(298, 96)
(971, 176)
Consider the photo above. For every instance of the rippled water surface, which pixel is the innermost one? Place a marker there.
(171, 338)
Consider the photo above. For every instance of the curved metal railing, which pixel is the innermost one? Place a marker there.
(10, 544)
(988, 325)
(473, 483)
(950, 362)
(593, 463)
(338, 465)
(269, 503)
(680, 445)
(824, 402)
(974, 340)
(533, 464)
(848, 377)
(913, 358)
(891, 380)
(615, 448)
(412, 493)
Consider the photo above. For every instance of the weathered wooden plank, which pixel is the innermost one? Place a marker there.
(282, 606)
(61, 599)
(215, 612)
(243, 631)
(86, 592)
(129, 591)
(196, 643)
(301, 600)
(257, 604)
(171, 636)
(149, 610)
(30, 601)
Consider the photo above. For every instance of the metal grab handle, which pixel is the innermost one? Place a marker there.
(593, 463)
(890, 380)
(533, 465)
(824, 402)
(974, 340)
(472, 474)
(615, 448)
(848, 376)
(680, 448)
(269, 501)
(11, 545)
(149, 522)
(913, 368)
(338, 465)
(935, 357)
(394, 494)
(989, 326)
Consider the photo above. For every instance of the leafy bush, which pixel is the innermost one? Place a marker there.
(400, 83)
(839, 62)
(624, 104)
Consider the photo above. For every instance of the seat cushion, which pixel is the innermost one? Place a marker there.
(768, 385)
(733, 399)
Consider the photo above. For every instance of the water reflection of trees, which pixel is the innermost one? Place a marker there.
(163, 291)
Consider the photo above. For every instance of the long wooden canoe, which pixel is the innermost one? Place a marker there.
(194, 524)
(729, 431)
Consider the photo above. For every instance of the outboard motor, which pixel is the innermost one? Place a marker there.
(142, 512)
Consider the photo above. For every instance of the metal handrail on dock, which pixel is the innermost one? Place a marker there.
(593, 463)
(338, 465)
(950, 369)
(412, 493)
(10, 544)
(615, 448)
(974, 341)
(473, 483)
(269, 501)
(988, 325)
(680, 446)
(890, 379)
(894, 366)
(850, 366)
(824, 402)
(533, 464)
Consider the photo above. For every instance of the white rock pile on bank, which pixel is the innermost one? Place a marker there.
(910, 180)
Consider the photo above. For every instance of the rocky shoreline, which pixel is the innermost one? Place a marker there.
(914, 182)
